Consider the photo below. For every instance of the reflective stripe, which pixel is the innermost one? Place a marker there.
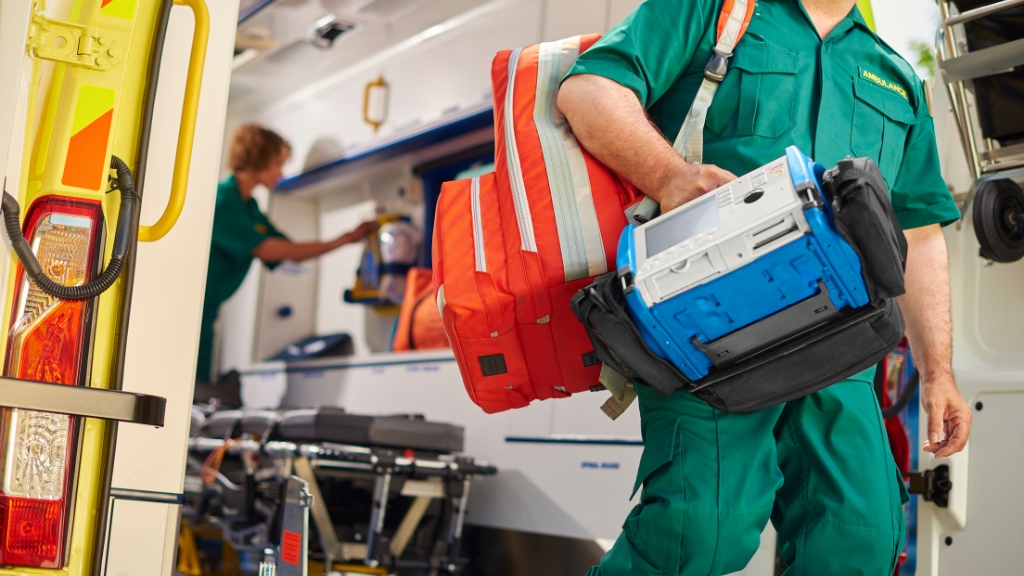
(441, 302)
(550, 124)
(690, 141)
(515, 172)
(478, 228)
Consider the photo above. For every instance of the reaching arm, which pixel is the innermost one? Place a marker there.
(926, 311)
(609, 121)
(281, 249)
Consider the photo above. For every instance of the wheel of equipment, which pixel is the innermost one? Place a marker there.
(999, 220)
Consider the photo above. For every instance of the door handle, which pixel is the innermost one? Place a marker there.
(187, 128)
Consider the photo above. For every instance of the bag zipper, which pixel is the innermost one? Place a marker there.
(515, 171)
(478, 227)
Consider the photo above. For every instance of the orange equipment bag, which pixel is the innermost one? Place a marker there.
(512, 247)
(419, 324)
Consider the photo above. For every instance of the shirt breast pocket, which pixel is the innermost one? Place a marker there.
(881, 119)
(757, 96)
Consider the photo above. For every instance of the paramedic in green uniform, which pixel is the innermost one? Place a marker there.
(241, 232)
(808, 73)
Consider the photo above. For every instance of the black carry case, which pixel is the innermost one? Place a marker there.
(401, 431)
(801, 365)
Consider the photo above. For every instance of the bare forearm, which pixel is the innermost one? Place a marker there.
(611, 124)
(926, 305)
(279, 249)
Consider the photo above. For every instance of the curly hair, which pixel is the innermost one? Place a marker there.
(254, 147)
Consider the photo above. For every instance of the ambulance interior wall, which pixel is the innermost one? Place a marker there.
(437, 74)
(983, 517)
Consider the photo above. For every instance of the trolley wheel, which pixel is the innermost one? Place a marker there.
(999, 220)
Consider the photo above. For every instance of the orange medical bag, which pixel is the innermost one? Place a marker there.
(512, 247)
(419, 324)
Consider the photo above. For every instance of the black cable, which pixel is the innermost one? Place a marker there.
(122, 239)
(906, 395)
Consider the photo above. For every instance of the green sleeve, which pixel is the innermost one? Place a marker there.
(236, 234)
(272, 231)
(920, 196)
(651, 48)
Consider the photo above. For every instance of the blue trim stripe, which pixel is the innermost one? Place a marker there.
(253, 9)
(574, 440)
(427, 137)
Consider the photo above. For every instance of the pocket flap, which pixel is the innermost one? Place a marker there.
(659, 448)
(887, 100)
(763, 58)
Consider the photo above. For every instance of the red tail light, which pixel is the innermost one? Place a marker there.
(46, 343)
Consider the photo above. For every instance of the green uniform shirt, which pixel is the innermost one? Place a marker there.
(847, 95)
(238, 228)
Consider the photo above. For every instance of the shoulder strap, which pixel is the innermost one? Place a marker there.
(732, 25)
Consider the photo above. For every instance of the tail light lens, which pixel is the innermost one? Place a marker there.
(47, 343)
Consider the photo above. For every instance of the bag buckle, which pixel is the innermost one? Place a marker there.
(626, 280)
(717, 67)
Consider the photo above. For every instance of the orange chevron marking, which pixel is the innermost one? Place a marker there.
(86, 154)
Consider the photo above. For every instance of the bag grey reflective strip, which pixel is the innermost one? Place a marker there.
(690, 140)
(478, 227)
(579, 231)
(515, 172)
(441, 302)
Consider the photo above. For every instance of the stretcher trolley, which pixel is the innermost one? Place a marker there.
(980, 53)
(387, 494)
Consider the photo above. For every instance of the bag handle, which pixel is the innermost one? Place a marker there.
(732, 25)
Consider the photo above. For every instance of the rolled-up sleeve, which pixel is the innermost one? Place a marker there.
(651, 48)
(920, 196)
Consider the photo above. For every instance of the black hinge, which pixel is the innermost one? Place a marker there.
(934, 485)
(808, 194)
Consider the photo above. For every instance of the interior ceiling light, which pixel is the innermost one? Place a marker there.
(328, 29)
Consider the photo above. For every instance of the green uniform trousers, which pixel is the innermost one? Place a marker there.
(818, 467)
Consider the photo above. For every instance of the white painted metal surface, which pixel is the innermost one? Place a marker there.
(14, 16)
(143, 537)
(167, 304)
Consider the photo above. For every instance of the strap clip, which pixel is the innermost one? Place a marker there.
(717, 67)
(626, 280)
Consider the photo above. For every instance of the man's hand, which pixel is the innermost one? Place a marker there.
(611, 124)
(693, 181)
(949, 417)
(925, 309)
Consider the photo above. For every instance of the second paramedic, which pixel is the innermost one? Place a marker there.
(241, 233)
(809, 73)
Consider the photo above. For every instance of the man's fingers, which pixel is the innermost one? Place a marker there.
(936, 411)
(956, 442)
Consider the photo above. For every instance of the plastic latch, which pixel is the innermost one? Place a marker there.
(717, 67)
(808, 194)
(626, 279)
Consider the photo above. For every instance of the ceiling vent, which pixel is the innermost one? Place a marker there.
(328, 29)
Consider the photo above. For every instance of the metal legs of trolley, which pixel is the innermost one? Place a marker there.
(374, 510)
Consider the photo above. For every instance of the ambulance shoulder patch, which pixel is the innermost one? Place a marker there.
(887, 84)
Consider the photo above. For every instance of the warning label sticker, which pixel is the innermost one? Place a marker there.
(291, 547)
